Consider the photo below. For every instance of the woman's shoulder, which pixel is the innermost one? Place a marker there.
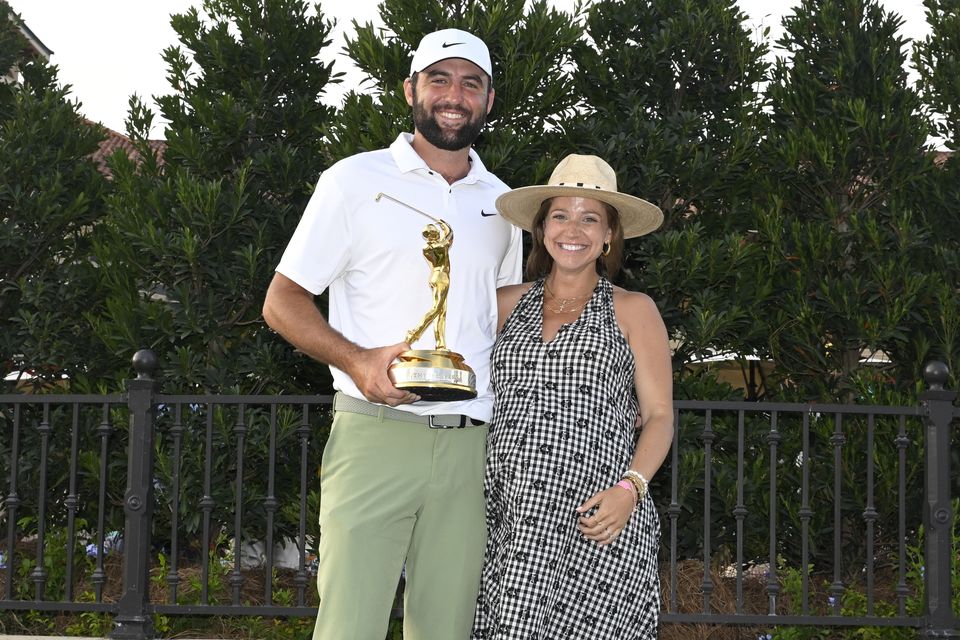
(511, 293)
(515, 289)
(634, 307)
(630, 297)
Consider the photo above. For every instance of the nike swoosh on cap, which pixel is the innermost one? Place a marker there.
(450, 44)
(487, 215)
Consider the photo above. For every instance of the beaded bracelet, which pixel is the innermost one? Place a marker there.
(637, 487)
(638, 481)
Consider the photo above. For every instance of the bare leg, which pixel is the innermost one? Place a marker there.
(440, 329)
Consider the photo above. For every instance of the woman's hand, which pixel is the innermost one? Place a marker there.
(614, 506)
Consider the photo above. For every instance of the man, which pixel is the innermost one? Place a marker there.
(401, 479)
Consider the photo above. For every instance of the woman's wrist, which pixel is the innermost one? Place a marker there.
(629, 486)
(639, 483)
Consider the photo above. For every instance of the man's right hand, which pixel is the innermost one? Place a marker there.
(369, 369)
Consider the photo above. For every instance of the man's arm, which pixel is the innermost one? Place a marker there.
(289, 310)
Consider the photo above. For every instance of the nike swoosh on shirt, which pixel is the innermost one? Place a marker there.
(450, 44)
(487, 215)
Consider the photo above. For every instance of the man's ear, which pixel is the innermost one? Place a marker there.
(408, 91)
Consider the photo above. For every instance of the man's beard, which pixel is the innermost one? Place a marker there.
(454, 140)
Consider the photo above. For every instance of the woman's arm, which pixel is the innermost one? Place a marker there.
(653, 379)
(646, 334)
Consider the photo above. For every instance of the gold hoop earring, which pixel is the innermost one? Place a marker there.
(606, 249)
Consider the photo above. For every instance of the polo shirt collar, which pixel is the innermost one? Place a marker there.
(409, 160)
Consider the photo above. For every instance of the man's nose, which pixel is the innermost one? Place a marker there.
(454, 92)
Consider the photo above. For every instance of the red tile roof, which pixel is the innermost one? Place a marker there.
(118, 142)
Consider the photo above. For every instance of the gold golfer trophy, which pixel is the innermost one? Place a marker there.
(434, 374)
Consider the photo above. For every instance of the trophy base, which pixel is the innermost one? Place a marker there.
(436, 376)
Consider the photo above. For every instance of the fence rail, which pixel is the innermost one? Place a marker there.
(774, 514)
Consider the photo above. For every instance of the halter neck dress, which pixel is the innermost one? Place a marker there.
(562, 430)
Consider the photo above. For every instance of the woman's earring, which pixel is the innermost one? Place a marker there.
(606, 248)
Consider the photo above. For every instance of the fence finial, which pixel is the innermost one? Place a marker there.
(145, 363)
(935, 374)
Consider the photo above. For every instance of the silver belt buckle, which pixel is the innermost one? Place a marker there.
(434, 425)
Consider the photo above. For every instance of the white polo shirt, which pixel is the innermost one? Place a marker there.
(370, 256)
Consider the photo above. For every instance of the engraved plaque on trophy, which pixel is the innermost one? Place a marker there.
(434, 374)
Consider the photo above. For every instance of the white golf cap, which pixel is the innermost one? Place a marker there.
(451, 43)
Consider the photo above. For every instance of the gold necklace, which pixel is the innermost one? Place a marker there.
(561, 309)
(563, 302)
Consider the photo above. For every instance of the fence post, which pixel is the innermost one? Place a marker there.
(134, 621)
(937, 404)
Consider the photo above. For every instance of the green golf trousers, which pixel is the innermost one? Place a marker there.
(400, 496)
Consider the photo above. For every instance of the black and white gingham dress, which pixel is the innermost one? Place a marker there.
(562, 430)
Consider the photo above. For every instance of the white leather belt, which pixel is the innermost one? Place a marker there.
(349, 404)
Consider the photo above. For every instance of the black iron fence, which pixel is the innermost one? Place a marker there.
(774, 515)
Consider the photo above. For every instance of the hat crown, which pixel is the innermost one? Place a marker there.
(580, 176)
(451, 43)
(584, 171)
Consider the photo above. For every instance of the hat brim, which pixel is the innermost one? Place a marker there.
(637, 216)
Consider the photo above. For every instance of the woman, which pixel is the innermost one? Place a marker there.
(573, 533)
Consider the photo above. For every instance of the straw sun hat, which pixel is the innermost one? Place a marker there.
(586, 177)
